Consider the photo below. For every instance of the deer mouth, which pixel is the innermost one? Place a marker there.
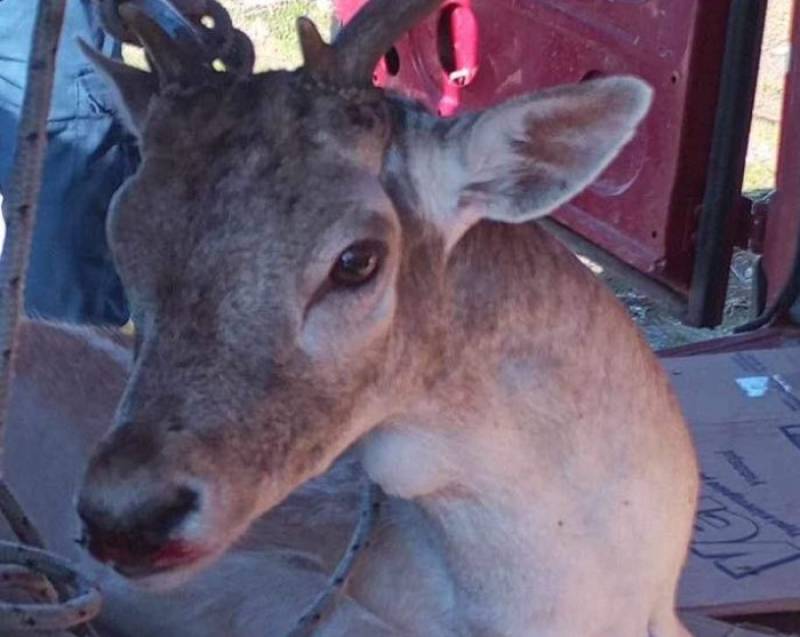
(173, 557)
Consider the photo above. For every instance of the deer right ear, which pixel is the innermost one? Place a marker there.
(133, 89)
(523, 159)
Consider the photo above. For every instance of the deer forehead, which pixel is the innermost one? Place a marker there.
(264, 167)
(283, 115)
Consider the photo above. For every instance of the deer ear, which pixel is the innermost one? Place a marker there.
(523, 159)
(133, 89)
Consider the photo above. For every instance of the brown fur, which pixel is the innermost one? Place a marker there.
(482, 373)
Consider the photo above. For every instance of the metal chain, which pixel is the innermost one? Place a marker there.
(203, 24)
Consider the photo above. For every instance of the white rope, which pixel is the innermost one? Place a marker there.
(325, 602)
(74, 611)
(25, 183)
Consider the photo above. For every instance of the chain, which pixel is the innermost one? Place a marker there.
(204, 25)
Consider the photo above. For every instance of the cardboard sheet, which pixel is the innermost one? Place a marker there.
(706, 627)
(744, 410)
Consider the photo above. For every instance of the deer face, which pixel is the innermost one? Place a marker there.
(284, 246)
(260, 252)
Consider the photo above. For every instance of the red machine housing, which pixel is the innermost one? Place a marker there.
(644, 210)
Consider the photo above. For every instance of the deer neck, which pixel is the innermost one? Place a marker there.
(474, 481)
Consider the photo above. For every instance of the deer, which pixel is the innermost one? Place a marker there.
(330, 284)
(69, 380)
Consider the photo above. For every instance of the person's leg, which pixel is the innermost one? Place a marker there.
(71, 276)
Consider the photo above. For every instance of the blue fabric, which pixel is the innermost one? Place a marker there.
(71, 276)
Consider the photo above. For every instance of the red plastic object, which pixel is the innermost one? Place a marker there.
(643, 209)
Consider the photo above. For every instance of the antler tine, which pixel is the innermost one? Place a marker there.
(375, 28)
(317, 54)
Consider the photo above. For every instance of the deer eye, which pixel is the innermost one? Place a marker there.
(358, 264)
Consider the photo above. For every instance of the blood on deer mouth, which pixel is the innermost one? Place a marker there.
(171, 557)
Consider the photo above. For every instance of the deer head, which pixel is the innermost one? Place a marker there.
(285, 247)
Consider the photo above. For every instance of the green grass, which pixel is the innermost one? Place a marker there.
(272, 28)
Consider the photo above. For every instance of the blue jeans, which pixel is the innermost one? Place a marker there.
(71, 275)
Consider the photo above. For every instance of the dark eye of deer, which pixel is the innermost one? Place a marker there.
(358, 264)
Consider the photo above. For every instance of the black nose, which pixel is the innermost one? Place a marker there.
(136, 536)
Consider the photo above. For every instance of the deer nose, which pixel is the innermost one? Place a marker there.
(142, 537)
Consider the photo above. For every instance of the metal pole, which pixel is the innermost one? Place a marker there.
(715, 235)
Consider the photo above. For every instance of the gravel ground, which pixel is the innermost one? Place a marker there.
(662, 330)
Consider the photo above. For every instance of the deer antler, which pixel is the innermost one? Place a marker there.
(360, 45)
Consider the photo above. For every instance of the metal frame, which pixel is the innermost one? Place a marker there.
(720, 217)
(663, 295)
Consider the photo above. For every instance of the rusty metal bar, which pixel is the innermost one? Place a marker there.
(717, 228)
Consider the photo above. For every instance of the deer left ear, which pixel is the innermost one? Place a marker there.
(133, 89)
(523, 159)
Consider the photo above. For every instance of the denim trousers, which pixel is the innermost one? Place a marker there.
(71, 274)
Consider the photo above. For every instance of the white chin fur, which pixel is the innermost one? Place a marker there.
(164, 581)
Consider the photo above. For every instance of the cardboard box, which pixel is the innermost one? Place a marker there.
(744, 410)
(706, 627)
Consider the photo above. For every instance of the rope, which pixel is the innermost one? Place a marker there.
(43, 575)
(28, 534)
(321, 607)
(26, 179)
(20, 523)
(72, 612)
(40, 569)
(21, 204)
